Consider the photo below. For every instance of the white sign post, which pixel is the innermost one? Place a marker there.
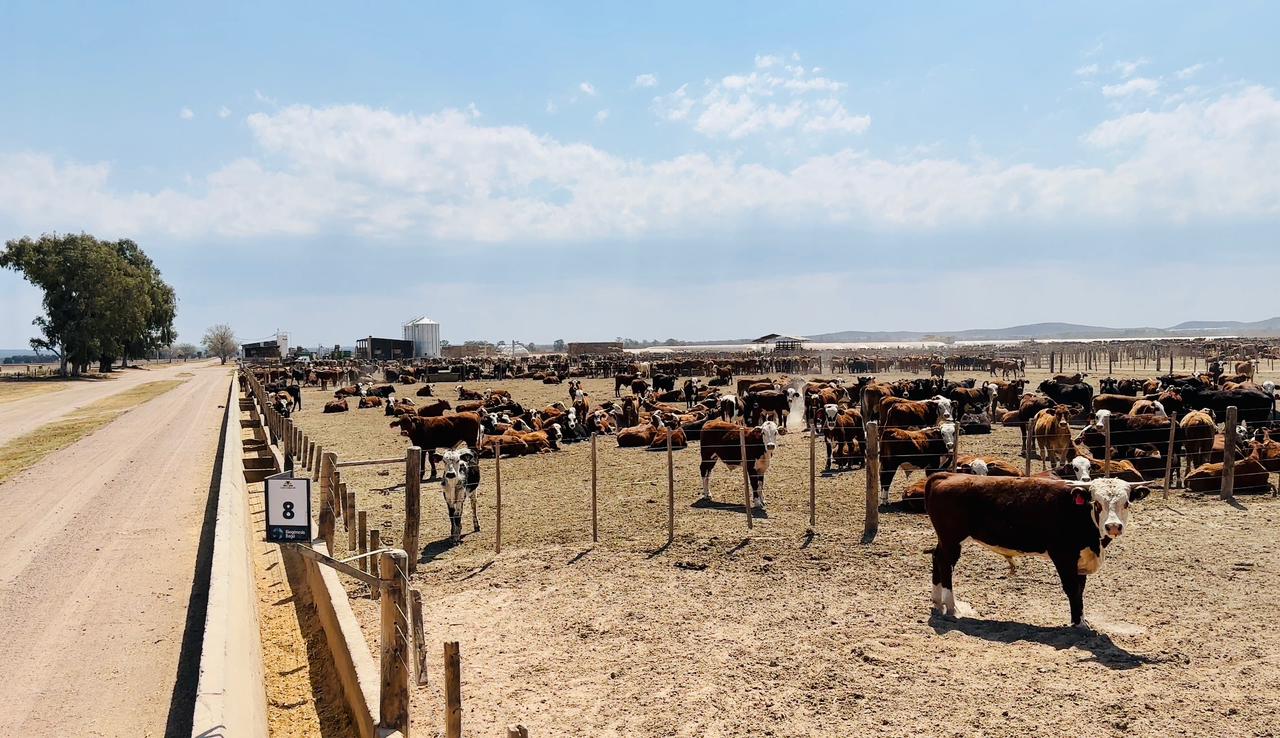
(288, 509)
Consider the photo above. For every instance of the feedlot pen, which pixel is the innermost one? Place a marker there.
(780, 633)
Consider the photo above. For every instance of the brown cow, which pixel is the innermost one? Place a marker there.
(927, 449)
(1250, 476)
(434, 410)
(1118, 404)
(1197, 429)
(896, 412)
(678, 439)
(336, 406)
(723, 441)
(1051, 435)
(430, 434)
(1070, 522)
(368, 402)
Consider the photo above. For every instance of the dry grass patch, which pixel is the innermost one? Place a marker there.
(28, 449)
(20, 390)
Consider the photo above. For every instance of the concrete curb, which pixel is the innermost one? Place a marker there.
(231, 699)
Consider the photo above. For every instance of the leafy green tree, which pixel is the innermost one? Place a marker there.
(558, 346)
(103, 300)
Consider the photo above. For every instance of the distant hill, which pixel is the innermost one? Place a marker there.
(1062, 331)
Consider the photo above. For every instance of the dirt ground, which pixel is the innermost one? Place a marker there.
(99, 597)
(785, 634)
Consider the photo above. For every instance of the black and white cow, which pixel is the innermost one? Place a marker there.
(1069, 522)
(460, 480)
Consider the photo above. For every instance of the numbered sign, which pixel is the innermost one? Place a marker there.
(288, 509)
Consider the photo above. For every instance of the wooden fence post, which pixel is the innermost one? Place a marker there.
(319, 471)
(393, 703)
(375, 543)
(1168, 462)
(813, 478)
(871, 523)
(419, 643)
(351, 525)
(412, 505)
(671, 491)
(497, 486)
(1106, 435)
(452, 691)
(362, 537)
(746, 475)
(595, 533)
(1229, 456)
(326, 523)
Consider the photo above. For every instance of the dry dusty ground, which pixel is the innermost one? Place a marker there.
(720, 635)
(99, 600)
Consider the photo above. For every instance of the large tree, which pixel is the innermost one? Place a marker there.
(103, 300)
(220, 341)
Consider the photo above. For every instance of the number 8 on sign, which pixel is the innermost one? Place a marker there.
(288, 508)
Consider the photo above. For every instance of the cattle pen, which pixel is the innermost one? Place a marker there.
(622, 603)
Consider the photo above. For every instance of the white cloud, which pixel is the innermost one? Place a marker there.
(260, 97)
(587, 88)
(1190, 71)
(445, 176)
(224, 112)
(186, 114)
(775, 96)
(602, 115)
(551, 106)
(1130, 67)
(645, 80)
(1137, 85)
(1087, 70)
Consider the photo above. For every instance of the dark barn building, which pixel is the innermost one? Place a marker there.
(382, 349)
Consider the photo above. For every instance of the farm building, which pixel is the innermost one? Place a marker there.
(425, 335)
(374, 349)
(580, 348)
(262, 350)
(782, 343)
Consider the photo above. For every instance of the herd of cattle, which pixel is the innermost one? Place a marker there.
(1069, 511)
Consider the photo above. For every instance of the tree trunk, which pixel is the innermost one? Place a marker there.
(104, 364)
(224, 359)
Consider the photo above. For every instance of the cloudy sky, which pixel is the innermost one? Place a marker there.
(653, 170)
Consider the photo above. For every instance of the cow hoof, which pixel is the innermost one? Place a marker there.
(1083, 626)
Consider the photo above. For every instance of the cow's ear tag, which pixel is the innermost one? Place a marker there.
(1079, 498)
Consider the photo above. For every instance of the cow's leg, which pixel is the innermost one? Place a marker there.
(886, 479)
(945, 556)
(827, 441)
(705, 472)
(475, 519)
(426, 457)
(757, 491)
(1072, 584)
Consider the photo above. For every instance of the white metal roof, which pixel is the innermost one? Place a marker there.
(424, 320)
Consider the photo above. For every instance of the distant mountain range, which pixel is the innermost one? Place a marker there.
(1063, 331)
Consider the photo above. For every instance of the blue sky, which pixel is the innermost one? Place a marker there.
(653, 170)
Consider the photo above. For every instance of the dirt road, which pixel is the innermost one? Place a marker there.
(96, 573)
(25, 415)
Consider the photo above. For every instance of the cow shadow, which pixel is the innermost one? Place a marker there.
(739, 508)
(1103, 650)
(437, 548)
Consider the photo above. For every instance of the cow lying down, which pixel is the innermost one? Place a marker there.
(1070, 523)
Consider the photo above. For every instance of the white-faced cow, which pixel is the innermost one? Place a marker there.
(461, 478)
(721, 440)
(1071, 523)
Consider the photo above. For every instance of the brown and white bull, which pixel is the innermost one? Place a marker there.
(1070, 523)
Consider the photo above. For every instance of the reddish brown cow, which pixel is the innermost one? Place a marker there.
(430, 434)
(336, 406)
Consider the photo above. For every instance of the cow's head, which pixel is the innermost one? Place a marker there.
(831, 411)
(978, 467)
(1081, 466)
(1109, 501)
(948, 432)
(944, 405)
(457, 463)
(769, 435)
(1100, 418)
(1269, 387)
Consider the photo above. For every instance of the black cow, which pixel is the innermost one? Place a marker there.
(1065, 393)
